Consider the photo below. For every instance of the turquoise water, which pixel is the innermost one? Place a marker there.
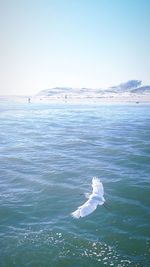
(49, 154)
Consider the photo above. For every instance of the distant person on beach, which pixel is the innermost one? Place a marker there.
(29, 100)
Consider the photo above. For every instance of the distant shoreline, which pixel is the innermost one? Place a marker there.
(136, 98)
(131, 91)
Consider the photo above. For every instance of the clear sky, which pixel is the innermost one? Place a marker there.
(75, 43)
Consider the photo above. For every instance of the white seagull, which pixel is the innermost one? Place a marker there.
(95, 199)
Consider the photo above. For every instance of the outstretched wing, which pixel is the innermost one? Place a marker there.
(84, 210)
(96, 198)
(97, 187)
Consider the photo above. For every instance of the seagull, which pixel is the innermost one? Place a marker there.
(95, 198)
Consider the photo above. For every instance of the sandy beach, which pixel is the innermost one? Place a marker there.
(92, 99)
(79, 99)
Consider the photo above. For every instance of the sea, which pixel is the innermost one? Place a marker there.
(48, 156)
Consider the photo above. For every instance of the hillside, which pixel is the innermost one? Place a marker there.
(131, 87)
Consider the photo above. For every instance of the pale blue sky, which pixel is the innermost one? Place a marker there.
(77, 43)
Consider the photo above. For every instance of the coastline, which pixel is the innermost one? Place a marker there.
(77, 99)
